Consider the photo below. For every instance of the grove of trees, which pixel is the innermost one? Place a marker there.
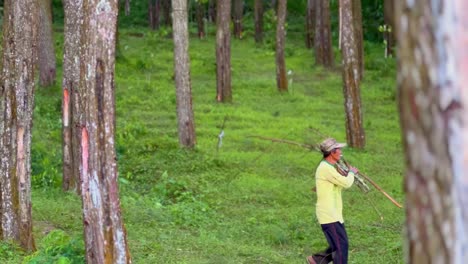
(432, 102)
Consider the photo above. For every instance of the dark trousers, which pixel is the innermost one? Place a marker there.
(337, 244)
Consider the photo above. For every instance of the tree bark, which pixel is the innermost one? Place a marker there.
(17, 102)
(71, 113)
(310, 23)
(258, 21)
(357, 17)
(238, 13)
(105, 235)
(201, 19)
(46, 51)
(281, 78)
(323, 42)
(223, 51)
(186, 124)
(433, 103)
(352, 95)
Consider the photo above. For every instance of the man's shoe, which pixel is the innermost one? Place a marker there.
(310, 260)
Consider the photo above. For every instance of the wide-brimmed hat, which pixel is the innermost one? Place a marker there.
(329, 144)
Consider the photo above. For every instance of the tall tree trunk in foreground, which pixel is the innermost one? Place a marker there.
(323, 42)
(105, 236)
(237, 16)
(352, 94)
(17, 103)
(200, 19)
(46, 51)
(258, 21)
(71, 114)
(154, 13)
(281, 78)
(310, 23)
(223, 51)
(357, 18)
(433, 101)
(186, 124)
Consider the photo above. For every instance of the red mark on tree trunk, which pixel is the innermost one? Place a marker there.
(84, 149)
(66, 104)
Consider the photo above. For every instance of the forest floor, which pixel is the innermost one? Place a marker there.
(246, 201)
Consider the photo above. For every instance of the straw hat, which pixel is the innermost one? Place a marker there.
(329, 144)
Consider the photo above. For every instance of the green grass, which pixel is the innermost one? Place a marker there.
(249, 202)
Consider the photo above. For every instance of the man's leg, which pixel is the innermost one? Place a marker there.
(338, 241)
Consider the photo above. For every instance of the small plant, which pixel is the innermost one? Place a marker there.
(58, 248)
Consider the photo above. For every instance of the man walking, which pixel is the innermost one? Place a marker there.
(329, 184)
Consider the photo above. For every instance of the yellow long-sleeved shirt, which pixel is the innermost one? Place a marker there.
(329, 184)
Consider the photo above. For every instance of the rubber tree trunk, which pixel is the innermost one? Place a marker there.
(127, 7)
(46, 51)
(258, 13)
(433, 103)
(281, 77)
(71, 113)
(237, 16)
(212, 10)
(357, 17)
(352, 94)
(166, 12)
(310, 23)
(201, 19)
(185, 118)
(154, 13)
(223, 51)
(323, 41)
(17, 104)
(105, 235)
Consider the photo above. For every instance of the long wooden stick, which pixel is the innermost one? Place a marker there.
(312, 147)
(381, 190)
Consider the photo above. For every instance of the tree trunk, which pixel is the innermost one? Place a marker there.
(310, 23)
(389, 35)
(323, 42)
(186, 124)
(258, 21)
(281, 78)
(223, 51)
(352, 95)
(154, 13)
(17, 102)
(433, 104)
(238, 13)
(201, 19)
(127, 7)
(166, 11)
(212, 10)
(357, 15)
(46, 51)
(71, 113)
(105, 235)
